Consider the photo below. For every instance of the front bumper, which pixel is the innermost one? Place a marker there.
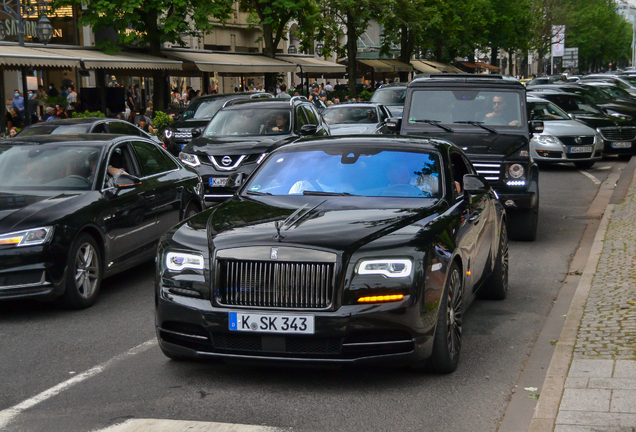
(30, 272)
(558, 154)
(217, 194)
(352, 334)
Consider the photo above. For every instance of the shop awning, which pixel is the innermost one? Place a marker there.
(17, 56)
(487, 66)
(378, 66)
(95, 59)
(398, 65)
(314, 65)
(442, 67)
(423, 67)
(471, 65)
(233, 63)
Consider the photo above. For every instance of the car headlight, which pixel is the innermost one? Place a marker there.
(619, 115)
(178, 261)
(189, 159)
(516, 171)
(260, 159)
(392, 268)
(168, 133)
(31, 237)
(546, 139)
(598, 139)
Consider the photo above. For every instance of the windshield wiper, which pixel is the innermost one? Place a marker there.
(434, 123)
(249, 192)
(479, 124)
(308, 192)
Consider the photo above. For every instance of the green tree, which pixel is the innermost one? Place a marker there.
(150, 23)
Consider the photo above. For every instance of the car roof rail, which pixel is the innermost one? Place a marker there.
(295, 98)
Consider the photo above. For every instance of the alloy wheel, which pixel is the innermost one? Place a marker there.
(454, 315)
(86, 270)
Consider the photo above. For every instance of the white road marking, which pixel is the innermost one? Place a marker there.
(155, 425)
(9, 414)
(591, 177)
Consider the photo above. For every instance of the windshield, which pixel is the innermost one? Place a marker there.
(575, 105)
(546, 111)
(349, 114)
(250, 121)
(614, 92)
(203, 109)
(447, 107)
(380, 173)
(55, 130)
(389, 96)
(48, 167)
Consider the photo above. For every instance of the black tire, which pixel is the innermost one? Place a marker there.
(84, 273)
(191, 209)
(523, 224)
(496, 287)
(448, 333)
(584, 164)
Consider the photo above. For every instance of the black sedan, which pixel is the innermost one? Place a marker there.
(337, 251)
(357, 118)
(96, 125)
(239, 137)
(76, 209)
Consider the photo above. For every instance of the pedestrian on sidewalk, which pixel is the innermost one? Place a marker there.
(18, 103)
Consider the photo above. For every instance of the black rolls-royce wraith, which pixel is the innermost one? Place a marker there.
(336, 250)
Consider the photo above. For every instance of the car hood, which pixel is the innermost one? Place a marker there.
(477, 141)
(566, 128)
(25, 210)
(319, 222)
(353, 129)
(620, 106)
(595, 121)
(228, 145)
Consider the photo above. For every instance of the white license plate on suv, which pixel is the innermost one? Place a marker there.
(584, 149)
(271, 323)
(621, 144)
(218, 181)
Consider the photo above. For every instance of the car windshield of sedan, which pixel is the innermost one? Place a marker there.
(203, 110)
(448, 107)
(546, 111)
(389, 96)
(250, 121)
(575, 105)
(49, 167)
(345, 114)
(368, 173)
(55, 130)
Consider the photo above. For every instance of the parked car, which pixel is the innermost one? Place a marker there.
(76, 209)
(618, 135)
(392, 97)
(241, 135)
(563, 139)
(626, 82)
(546, 80)
(95, 125)
(198, 115)
(486, 116)
(336, 251)
(363, 118)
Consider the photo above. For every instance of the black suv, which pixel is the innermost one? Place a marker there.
(392, 97)
(241, 135)
(198, 115)
(486, 116)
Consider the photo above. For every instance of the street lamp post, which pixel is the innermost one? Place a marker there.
(18, 12)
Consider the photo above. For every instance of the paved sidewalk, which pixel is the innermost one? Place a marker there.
(591, 381)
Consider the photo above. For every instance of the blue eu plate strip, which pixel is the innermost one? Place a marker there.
(233, 321)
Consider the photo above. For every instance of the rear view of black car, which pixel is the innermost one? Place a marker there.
(198, 115)
(486, 116)
(241, 135)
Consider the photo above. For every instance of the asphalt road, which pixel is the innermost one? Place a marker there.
(42, 346)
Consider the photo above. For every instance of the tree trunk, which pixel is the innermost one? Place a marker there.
(158, 78)
(352, 50)
(406, 50)
(269, 51)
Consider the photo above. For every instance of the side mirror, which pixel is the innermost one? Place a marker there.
(196, 133)
(308, 129)
(474, 185)
(177, 117)
(536, 126)
(125, 181)
(571, 116)
(234, 180)
(394, 124)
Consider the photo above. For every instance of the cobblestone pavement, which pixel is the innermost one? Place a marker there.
(608, 328)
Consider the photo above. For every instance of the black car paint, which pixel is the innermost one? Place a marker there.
(189, 317)
(126, 224)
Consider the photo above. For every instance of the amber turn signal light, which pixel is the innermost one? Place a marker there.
(383, 298)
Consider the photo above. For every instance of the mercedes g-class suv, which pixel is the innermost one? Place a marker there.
(486, 116)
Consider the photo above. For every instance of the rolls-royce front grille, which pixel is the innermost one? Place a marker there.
(491, 171)
(618, 133)
(275, 284)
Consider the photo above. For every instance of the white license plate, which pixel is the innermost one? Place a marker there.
(271, 323)
(218, 181)
(585, 149)
(621, 144)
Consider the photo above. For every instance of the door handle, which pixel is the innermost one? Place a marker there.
(149, 197)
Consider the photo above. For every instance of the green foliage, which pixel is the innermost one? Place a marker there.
(160, 122)
(366, 95)
(88, 114)
(56, 100)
